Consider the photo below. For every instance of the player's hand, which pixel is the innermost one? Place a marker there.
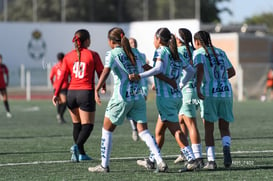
(55, 100)
(200, 95)
(102, 91)
(173, 83)
(97, 97)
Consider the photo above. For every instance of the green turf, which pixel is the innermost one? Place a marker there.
(33, 138)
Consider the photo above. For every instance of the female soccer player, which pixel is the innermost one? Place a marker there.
(81, 64)
(54, 78)
(4, 82)
(214, 89)
(133, 45)
(168, 99)
(190, 102)
(127, 99)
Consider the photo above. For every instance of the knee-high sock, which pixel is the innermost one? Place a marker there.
(6, 104)
(197, 150)
(226, 140)
(83, 136)
(133, 125)
(150, 142)
(62, 109)
(105, 148)
(76, 131)
(210, 153)
(187, 151)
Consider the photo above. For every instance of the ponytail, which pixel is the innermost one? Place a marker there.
(205, 41)
(173, 48)
(168, 39)
(186, 37)
(77, 42)
(117, 36)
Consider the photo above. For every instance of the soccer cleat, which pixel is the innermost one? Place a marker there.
(75, 153)
(161, 167)
(210, 165)
(180, 158)
(99, 168)
(200, 162)
(192, 165)
(135, 135)
(227, 156)
(9, 115)
(84, 157)
(146, 163)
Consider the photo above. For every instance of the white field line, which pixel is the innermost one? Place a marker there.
(122, 158)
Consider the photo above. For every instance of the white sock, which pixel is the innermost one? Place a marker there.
(226, 140)
(187, 151)
(197, 150)
(133, 124)
(150, 142)
(105, 148)
(210, 153)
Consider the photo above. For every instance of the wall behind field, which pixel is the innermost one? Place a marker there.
(19, 45)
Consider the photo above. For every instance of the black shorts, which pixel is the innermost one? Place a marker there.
(83, 99)
(62, 91)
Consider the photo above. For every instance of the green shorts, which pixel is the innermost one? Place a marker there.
(190, 103)
(118, 110)
(168, 108)
(212, 109)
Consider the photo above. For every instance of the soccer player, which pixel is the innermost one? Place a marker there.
(81, 65)
(268, 86)
(4, 82)
(127, 99)
(214, 89)
(133, 45)
(190, 101)
(168, 99)
(54, 78)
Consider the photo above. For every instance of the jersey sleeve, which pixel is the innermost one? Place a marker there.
(108, 60)
(52, 74)
(64, 72)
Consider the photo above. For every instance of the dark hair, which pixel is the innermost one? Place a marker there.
(60, 56)
(168, 39)
(205, 40)
(135, 42)
(117, 35)
(186, 36)
(79, 38)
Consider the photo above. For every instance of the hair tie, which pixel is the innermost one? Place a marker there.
(179, 37)
(121, 35)
(77, 41)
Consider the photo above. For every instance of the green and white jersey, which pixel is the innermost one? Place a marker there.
(171, 69)
(141, 61)
(215, 82)
(120, 66)
(182, 50)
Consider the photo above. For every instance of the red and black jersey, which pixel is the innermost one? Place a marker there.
(82, 73)
(55, 76)
(3, 71)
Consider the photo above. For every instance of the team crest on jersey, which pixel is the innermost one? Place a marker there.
(36, 46)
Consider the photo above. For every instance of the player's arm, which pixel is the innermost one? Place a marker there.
(161, 76)
(103, 77)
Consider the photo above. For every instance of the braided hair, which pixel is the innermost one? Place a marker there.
(79, 38)
(186, 37)
(205, 40)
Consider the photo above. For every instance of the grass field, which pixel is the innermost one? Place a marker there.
(33, 146)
